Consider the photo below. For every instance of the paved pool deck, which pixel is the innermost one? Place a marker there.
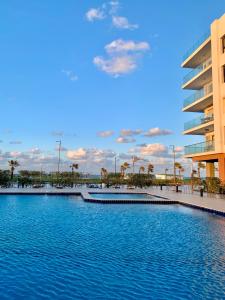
(206, 203)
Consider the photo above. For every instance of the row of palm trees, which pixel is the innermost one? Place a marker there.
(13, 164)
(125, 166)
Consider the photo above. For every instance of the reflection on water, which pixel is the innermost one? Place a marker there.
(63, 248)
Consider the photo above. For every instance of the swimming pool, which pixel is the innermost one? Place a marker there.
(60, 247)
(122, 196)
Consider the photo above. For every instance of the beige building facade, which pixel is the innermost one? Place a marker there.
(206, 59)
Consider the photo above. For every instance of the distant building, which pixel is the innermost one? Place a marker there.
(168, 176)
(206, 59)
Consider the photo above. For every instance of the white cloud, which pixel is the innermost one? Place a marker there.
(123, 23)
(151, 150)
(156, 150)
(89, 154)
(179, 149)
(106, 133)
(94, 14)
(116, 66)
(34, 151)
(125, 156)
(33, 159)
(114, 7)
(130, 132)
(124, 140)
(122, 46)
(122, 57)
(157, 132)
(70, 74)
(77, 154)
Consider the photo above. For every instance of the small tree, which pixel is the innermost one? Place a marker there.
(74, 167)
(12, 165)
(201, 165)
(134, 160)
(150, 169)
(141, 169)
(123, 168)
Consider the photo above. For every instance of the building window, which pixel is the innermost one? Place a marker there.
(223, 44)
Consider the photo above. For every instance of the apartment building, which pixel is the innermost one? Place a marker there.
(206, 79)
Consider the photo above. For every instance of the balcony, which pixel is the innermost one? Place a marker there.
(199, 148)
(200, 125)
(199, 76)
(198, 52)
(200, 100)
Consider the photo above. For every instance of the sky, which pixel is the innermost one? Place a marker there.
(104, 77)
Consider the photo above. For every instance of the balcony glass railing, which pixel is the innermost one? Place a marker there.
(199, 148)
(196, 45)
(198, 95)
(197, 70)
(198, 121)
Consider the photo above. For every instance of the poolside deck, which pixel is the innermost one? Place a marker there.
(206, 203)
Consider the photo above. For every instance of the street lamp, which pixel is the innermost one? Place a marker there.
(115, 166)
(174, 160)
(59, 149)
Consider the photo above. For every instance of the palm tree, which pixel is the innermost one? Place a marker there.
(180, 170)
(193, 173)
(74, 167)
(177, 165)
(104, 173)
(134, 160)
(141, 169)
(200, 166)
(150, 169)
(12, 165)
(123, 168)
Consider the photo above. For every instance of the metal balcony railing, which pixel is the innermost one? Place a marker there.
(199, 148)
(197, 70)
(198, 95)
(198, 121)
(197, 44)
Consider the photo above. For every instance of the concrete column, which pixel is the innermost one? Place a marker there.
(210, 169)
(221, 163)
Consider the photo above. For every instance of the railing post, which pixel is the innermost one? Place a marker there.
(201, 192)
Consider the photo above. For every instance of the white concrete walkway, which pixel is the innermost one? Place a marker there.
(206, 202)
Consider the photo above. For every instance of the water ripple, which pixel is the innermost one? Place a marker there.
(62, 248)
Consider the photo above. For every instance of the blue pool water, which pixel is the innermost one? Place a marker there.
(120, 196)
(60, 247)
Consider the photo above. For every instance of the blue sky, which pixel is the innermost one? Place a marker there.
(71, 69)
